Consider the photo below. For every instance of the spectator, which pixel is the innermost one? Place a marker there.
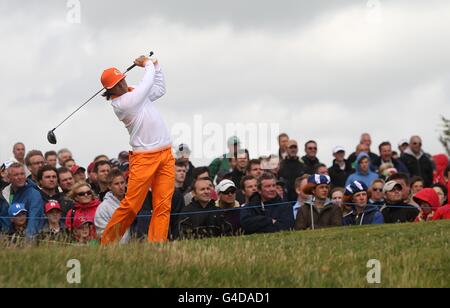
(283, 140)
(402, 145)
(51, 158)
(92, 177)
(365, 143)
(201, 225)
(254, 168)
(310, 160)
(18, 214)
(363, 172)
(34, 161)
(224, 162)
(387, 170)
(48, 182)
(19, 153)
(25, 192)
(417, 161)
(291, 168)
(416, 185)
(376, 193)
(198, 173)
(84, 230)
(63, 155)
(5, 223)
(226, 191)
(281, 189)
(321, 169)
(362, 213)
(403, 180)
(442, 193)
(117, 188)
(428, 200)
(249, 185)
(337, 197)
(441, 163)
(180, 175)
(69, 163)
(4, 181)
(395, 210)
(442, 213)
(65, 180)
(183, 154)
(319, 211)
(79, 173)
(300, 184)
(53, 229)
(85, 204)
(241, 167)
(124, 162)
(272, 216)
(341, 168)
(385, 149)
(101, 157)
(102, 168)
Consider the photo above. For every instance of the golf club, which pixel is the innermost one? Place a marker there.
(51, 137)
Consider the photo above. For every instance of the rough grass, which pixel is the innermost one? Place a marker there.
(411, 255)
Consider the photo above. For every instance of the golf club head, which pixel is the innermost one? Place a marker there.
(51, 137)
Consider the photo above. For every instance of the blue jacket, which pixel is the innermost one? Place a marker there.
(367, 178)
(370, 215)
(260, 219)
(5, 223)
(31, 197)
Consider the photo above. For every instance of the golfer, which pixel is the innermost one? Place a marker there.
(151, 161)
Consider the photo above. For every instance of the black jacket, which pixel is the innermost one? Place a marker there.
(260, 219)
(422, 167)
(290, 170)
(339, 176)
(395, 213)
(199, 225)
(65, 203)
(309, 164)
(236, 177)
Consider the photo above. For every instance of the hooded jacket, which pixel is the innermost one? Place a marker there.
(256, 219)
(339, 176)
(5, 223)
(429, 196)
(441, 162)
(309, 164)
(367, 177)
(419, 165)
(310, 217)
(104, 213)
(31, 197)
(442, 213)
(291, 168)
(86, 210)
(370, 215)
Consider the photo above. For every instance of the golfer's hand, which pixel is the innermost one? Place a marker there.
(141, 61)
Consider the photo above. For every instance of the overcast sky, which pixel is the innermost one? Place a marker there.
(323, 70)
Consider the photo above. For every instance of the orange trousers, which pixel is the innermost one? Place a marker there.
(147, 169)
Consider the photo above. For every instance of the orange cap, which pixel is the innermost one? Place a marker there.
(111, 77)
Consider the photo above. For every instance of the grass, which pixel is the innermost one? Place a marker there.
(411, 255)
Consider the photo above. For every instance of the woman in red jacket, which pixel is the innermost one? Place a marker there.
(85, 204)
(428, 200)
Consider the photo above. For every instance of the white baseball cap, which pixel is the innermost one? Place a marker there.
(338, 148)
(224, 185)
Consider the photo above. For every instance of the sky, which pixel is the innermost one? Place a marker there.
(321, 70)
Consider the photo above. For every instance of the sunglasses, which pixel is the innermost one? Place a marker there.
(312, 148)
(84, 193)
(229, 192)
(378, 189)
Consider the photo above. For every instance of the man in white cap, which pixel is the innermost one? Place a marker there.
(226, 191)
(402, 145)
(395, 210)
(341, 168)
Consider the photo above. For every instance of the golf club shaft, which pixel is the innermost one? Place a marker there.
(128, 69)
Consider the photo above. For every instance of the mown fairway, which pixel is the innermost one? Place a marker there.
(411, 255)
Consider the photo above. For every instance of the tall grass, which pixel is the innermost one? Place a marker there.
(411, 255)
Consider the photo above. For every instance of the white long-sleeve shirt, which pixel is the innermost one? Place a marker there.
(136, 109)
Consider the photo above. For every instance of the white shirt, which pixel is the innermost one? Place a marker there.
(136, 109)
